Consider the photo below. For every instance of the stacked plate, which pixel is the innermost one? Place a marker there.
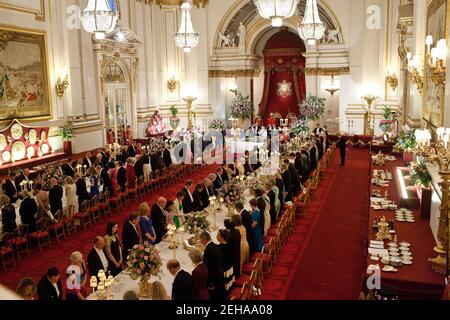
(399, 254)
(404, 215)
(405, 253)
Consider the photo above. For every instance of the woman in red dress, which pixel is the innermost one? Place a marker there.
(129, 135)
(131, 175)
(110, 137)
(199, 276)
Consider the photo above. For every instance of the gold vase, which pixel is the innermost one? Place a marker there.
(144, 288)
(230, 210)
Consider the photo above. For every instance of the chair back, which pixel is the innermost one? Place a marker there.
(42, 224)
(85, 206)
(58, 217)
(150, 176)
(140, 181)
(94, 201)
(21, 232)
(8, 240)
(106, 196)
(156, 175)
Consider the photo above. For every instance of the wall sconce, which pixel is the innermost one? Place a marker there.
(437, 60)
(392, 80)
(172, 84)
(333, 88)
(62, 83)
(415, 75)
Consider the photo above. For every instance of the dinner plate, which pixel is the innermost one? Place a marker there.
(400, 220)
(392, 244)
(394, 254)
(406, 262)
(403, 248)
(406, 253)
(405, 244)
(410, 221)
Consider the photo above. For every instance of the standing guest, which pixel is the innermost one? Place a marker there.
(130, 233)
(313, 157)
(262, 207)
(23, 177)
(55, 196)
(88, 161)
(317, 130)
(319, 145)
(9, 188)
(49, 287)
(155, 162)
(68, 169)
(148, 232)
(244, 247)
(170, 212)
(295, 178)
(110, 136)
(98, 160)
(138, 166)
(287, 180)
(106, 153)
(28, 211)
(130, 175)
(227, 258)
(82, 192)
(342, 145)
(234, 242)
(206, 194)
(129, 135)
(122, 176)
(159, 219)
(247, 222)
(147, 166)
(113, 249)
(97, 259)
(158, 292)
(212, 188)
(93, 173)
(257, 231)
(131, 150)
(299, 165)
(188, 200)
(76, 277)
(199, 276)
(71, 195)
(26, 289)
(167, 156)
(106, 180)
(182, 287)
(279, 183)
(212, 258)
(179, 211)
(197, 204)
(8, 215)
(218, 183)
(42, 201)
(275, 205)
(113, 176)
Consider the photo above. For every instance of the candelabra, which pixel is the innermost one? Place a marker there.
(103, 286)
(369, 125)
(213, 209)
(415, 76)
(439, 154)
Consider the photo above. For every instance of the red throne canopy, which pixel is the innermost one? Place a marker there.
(284, 82)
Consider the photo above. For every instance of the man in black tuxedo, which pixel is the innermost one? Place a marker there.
(342, 145)
(280, 185)
(183, 285)
(107, 184)
(212, 258)
(167, 157)
(139, 166)
(28, 210)
(218, 183)
(49, 287)
(82, 192)
(132, 150)
(9, 188)
(155, 161)
(188, 199)
(130, 234)
(247, 222)
(68, 168)
(287, 179)
(295, 178)
(318, 130)
(206, 193)
(105, 157)
(88, 160)
(122, 176)
(55, 196)
(159, 219)
(97, 258)
(24, 176)
(272, 197)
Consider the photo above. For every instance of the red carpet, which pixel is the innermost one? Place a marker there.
(324, 258)
(37, 264)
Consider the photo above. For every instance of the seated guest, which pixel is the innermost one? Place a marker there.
(178, 207)
(227, 258)
(182, 287)
(159, 219)
(244, 248)
(247, 222)
(26, 289)
(113, 248)
(106, 180)
(158, 292)
(130, 295)
(148, 232)
(122, 177)
(68, 169)
(9, 187)
(28, 211)
(97, 259)
(257, 231)
(199, 275)
(218, 183)
(197, 204)
(76, 277)
(234, 242)
(226, 175)
(93, 173)
(8, 215)
(212, 258)
(82, 191)
(188, 200)
(49, 287)
(130, 234)
(131, 176)
(55, 196)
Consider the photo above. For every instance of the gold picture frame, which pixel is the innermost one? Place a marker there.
(24, 77)
(434, 95)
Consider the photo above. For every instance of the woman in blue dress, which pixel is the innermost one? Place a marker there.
(256, 225)
(92, 172)
(148, 232)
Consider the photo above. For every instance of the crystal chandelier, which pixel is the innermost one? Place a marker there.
(99, 18)
(276, 10)
(311, 29)
(186, 37)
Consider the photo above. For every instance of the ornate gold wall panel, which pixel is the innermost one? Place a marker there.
(327, 71)
(39, 14)
(198, 3)
(234, 73)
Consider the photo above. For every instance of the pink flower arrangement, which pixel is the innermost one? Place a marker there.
(144, 260)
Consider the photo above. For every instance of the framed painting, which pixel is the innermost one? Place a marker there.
(24, 79)
(434, 95)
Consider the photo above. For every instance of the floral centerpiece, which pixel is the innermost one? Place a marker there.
(406, 142)
(196, 222)
(231, 193)
(49, 174)
(419, 174)
(144, 261)
(300, 127)
(217, 125)
(312, 108)
(241, 107)
(67, 132)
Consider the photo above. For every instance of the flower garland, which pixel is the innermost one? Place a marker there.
(196, 222)
(241, 107)
(312, 108)
(144, 260)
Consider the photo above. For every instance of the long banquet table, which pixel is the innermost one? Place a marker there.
(416, 281)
